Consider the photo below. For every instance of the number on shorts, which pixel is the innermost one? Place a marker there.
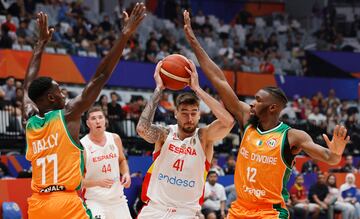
(42, 162)
(251, 173)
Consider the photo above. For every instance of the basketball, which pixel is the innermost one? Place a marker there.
(173, 72)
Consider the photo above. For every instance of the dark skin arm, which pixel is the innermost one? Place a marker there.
(75, 108)
(238, 109)
(45, 33)
(300, 140)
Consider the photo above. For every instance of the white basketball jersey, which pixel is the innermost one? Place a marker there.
(178, 174)
(102, 162)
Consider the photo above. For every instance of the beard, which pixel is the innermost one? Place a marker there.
(188, 129)
(253, 120)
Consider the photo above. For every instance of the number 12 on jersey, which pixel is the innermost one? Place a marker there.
(251, 173)
(178, 165)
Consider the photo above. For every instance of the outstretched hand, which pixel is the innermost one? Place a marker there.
(339, 140)
(45, 32)
(189, 33)
(194, 77)
(137, 15)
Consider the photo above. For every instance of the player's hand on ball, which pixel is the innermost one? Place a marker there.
(158, 80)
(126, 180)
(136, 16)
(194, 79)
(45, 32)
(105, 183)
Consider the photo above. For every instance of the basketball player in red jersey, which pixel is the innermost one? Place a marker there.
(268, 146)
(52, 127)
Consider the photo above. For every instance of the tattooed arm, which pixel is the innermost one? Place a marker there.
(148, 131)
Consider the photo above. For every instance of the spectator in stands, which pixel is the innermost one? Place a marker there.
(349, 165)
(8, 23)
(151, 51)
(105, 24)
(23, 33)
(266, 66)
(115, 114)
(214, 198)
(347, 209)
(352, 124)
(332, 97)
(8, 90)
(310, 166)
(134, 108)
(164, 51)
(299, 199)
(348, 192)
(316, 118)
(229, 167)
(215, 167)
(289, 110)
(318, 194)
(103, 103)
(5, 41)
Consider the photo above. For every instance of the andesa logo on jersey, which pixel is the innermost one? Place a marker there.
(271, 142)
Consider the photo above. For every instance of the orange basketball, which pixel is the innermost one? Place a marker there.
(173, 72)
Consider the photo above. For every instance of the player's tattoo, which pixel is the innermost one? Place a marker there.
(150, 132)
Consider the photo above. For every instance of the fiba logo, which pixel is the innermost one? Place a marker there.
(271, 142)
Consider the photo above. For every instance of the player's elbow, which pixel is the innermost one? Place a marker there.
(334, 160)
(141, 129)
(228, 122)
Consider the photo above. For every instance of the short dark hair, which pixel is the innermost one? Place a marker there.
(188, 98)
(9, 77)
(212, 172)
(39, 87)
(278, 93)
(94, 108)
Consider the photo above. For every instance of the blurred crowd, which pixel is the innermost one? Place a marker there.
(316, 115)
(272, 44)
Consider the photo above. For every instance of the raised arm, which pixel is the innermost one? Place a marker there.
(45, 33)
(239, 109)
(145, 128)
(221, 127)
(331, 155)
(75, 108)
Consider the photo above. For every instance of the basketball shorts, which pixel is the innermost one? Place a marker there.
(109, 210)
(60, 205)
(157, 211)
(248, 210)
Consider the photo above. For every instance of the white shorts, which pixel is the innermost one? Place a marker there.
(105, 210)
(157, 211)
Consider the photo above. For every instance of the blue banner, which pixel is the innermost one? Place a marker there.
(306, 86)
